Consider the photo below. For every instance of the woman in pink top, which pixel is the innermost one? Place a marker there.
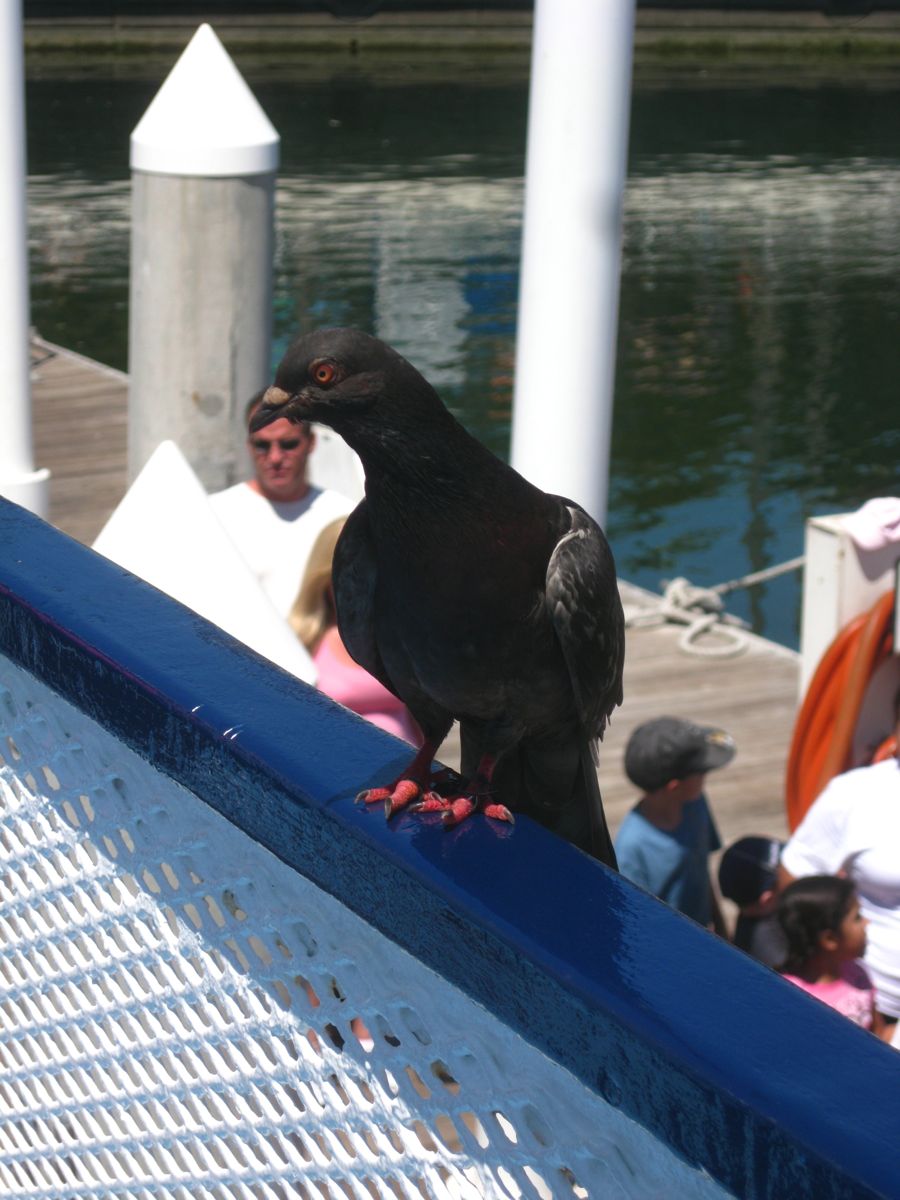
(314, 620)
(825, 935)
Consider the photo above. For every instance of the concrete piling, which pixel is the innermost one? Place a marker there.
(203, 158)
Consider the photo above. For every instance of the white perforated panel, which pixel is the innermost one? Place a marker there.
(185, 1016)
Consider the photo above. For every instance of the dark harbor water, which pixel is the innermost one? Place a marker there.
(759, 346)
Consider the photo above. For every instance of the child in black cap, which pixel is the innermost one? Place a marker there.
(665, 842)
(748, 873)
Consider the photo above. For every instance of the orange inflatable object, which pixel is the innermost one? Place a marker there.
(823, 732)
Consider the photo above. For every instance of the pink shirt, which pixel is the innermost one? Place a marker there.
(361, 692)
(852, 994)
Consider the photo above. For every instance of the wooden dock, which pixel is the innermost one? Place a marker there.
(79, 411)
(80, 428)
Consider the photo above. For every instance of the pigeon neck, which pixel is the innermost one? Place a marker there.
(447, 474)
(421, 456)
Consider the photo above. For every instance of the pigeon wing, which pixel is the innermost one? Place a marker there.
(582, 599)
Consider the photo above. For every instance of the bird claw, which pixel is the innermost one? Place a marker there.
(459, 808)
(463, 807)
(373, 795)
(430, 802)
(455, 808)
(394, 798)
(403, 794)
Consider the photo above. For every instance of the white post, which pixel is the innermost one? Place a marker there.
(571, 246)
(203, 157)
(19, 480)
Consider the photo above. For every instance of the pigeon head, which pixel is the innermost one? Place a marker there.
(348, 380)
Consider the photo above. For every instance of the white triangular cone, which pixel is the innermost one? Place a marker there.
(165, 531)
(204, 120)
(333, 464)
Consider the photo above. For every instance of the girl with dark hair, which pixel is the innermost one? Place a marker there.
(825, 934)
(853, 829)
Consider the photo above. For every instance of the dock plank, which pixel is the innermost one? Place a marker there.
(80, 418)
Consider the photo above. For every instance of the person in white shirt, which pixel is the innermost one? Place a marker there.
(853, 829)
(275, 517)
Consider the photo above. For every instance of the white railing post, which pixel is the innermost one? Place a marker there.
(571, 246)
(203, 157)
(19, 480)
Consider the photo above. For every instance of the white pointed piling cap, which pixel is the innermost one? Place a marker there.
(165, 531)
(204, 120)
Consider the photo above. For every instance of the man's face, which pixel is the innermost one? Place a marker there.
(280, 452)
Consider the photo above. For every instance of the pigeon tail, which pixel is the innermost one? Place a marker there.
(553, 780)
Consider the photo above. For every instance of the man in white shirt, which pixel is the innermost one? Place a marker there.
(275, 517)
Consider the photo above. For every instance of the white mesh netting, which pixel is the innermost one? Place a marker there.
(183, 1015)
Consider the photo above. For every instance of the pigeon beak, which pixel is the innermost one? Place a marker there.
(272, 407)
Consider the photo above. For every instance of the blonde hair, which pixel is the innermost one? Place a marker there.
(313, 611)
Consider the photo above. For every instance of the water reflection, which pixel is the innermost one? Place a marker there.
(757, 367)
(760, 297)
(429, 265)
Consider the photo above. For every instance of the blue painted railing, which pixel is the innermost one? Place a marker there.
(730, 1067)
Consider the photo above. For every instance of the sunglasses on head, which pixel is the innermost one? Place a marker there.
(264, 445)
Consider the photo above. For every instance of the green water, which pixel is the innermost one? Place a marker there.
(760, 303)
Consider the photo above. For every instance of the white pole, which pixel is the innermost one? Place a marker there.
(571, 246)
(203, 157)
(18, 479)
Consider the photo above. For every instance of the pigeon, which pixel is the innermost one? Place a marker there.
(468, 592)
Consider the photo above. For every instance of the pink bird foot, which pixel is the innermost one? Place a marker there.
(395, 797)
(418, 779)
(457, 809)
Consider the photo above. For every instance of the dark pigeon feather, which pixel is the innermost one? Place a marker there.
(467, 591)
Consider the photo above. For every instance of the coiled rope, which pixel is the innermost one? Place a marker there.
(702, 610)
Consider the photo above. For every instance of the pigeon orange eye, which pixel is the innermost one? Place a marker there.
(324, 372)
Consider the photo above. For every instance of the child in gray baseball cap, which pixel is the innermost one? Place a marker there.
(664, 843)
